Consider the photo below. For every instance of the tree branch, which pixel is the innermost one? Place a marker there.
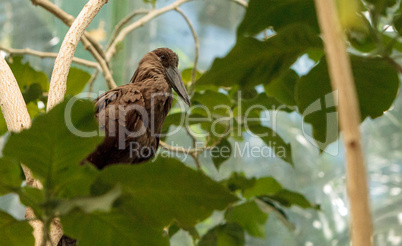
(63, 61)
(68, 20)
(123, 22)
(17, 118)
(41, 54)
(349, 115)
(197, 48)
(89, 44)
(110, 52)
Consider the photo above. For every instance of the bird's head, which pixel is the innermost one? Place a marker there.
(170, 61)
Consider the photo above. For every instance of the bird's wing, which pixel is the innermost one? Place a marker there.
(120, 109)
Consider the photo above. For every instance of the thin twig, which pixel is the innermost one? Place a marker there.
(342, 81)
(107, 74)
(91, 82)
(41, 54)
(110, 52)
(197, 48)
(123, 22)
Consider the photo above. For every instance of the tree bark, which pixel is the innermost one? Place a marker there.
(58, 82)
(349, 115)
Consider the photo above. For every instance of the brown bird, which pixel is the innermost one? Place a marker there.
(132, 115)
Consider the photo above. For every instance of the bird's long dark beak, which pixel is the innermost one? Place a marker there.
(177, 84)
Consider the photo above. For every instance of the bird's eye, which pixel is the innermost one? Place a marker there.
(163, 57)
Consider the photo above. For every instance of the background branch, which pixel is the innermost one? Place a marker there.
(110, 52)
(349, 115)
(197, 48)
(89, 44)
(123, 22)
(63, 61)
(41, 54)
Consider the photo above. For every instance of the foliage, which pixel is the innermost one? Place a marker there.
(148, 203)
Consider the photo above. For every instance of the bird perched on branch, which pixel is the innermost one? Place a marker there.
(132, 115)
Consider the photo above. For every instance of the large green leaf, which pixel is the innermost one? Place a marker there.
(263, 186)
(263, 14)
(249, 216)
(57, 149)
(376, 84)
(272, 139)
(26, 75)
(76, 81)
(224, 235)
(14, 232)
(187, 195)
(252, 62)
(118, 227)
(156, 194)
(32, 92)
(238, 181)
(10, 176)
(288, 198)
(221, 152)
(283, 88)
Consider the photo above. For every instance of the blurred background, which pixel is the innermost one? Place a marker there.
(320, 177)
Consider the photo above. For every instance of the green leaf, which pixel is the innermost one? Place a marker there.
(102, 203)
(288, 198)
(224, 235)
(274, 141)
(10, 176)
(376, 84)
(57, 149)
(238, 181)
(263, 14)
(249, 216)
(217, 103)
(187, 75)
(252, 62)
(76, 81)
(32, 92)
(156, 194)
(33, 198)
(26, 75)
(263, 186)
(186, 194)
(283, 88)
(33, 109)
(3, 125)
(14, 232)
(221, 152)
(118, 227)
(380, 6)
(252, 108)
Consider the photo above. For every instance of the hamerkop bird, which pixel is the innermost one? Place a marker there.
(132, 115)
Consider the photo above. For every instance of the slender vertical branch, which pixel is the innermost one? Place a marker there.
(110, 52)
(196, 46)
(63, 61)
(349, 115)
(123, 22)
